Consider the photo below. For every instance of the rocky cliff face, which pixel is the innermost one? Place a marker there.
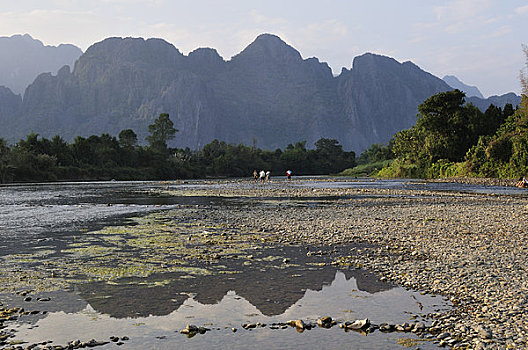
(267, 94)
(381, 96)
(270, 95)
(10, 105)
(23, 58)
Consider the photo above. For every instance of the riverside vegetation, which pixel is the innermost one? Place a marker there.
(454, 139)
(106, 157)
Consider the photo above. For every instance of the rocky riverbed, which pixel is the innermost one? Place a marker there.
(469, 248)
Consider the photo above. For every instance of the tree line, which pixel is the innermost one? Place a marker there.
(108, 157)
(451, 138)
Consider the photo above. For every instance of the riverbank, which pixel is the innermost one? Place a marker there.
(486, 181)
(469, 248)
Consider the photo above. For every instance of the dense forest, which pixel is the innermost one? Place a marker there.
(106, 157)
(454, 138)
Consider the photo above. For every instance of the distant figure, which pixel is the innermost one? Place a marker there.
(262, 176)
(268, 175)
(522, 182)
(255, 175)
(288, 174)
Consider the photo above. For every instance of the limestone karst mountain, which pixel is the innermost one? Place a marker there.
(23, 58)
(267, 95)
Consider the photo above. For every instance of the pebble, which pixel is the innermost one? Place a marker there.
(469, 248)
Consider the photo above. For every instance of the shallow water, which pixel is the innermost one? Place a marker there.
(339, 296)
(45, 225)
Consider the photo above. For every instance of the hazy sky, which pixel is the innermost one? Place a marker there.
(479, 41)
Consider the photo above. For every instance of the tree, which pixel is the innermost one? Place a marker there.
(448, 127)
(60, 150)
(5, 168)
(376, 153)
(524, 83)
(127, 138)
(161, 131)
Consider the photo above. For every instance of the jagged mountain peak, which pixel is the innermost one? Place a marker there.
(23, 58)
(269, 48)
(205, 54)
(132, 49)
(372, 59)
(142, 54)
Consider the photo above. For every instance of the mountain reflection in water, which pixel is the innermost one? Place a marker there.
(330, 293)
(270, 290)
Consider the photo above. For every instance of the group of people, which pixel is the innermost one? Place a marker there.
(522, 182)
(265, 176)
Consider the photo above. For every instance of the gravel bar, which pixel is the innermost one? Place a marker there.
(470, 248)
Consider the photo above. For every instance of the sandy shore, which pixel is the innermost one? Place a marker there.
(470, 248)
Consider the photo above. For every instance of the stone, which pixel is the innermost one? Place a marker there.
(190, 328)
(359, 324)
(419, 327)
(326, 322)
(443, 335)
(484, 333)
(385, 327)
(299, 324)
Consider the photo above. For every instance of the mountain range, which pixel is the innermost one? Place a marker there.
(23, 58)
(267, 96)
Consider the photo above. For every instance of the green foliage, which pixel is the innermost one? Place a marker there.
(453, 139)
(399, 168)
(161, 131)
(367, 169)
(104, 157)
(376, 153)
(371, 161)
(444, 168)
(5, 166)
(127, 138)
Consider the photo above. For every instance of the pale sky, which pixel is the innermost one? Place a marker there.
(479, 41)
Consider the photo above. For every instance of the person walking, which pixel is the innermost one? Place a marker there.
(262, 176)
(288, 174)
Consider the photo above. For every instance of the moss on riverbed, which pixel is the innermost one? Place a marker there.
(156, 243)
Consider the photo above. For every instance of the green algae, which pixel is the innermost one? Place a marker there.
(91, 251)
(148, 245)
(411, 342)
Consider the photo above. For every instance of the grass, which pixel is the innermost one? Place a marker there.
(369, 169)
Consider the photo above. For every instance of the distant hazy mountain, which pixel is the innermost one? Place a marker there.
(455, 83)
(267, 94)
(498, 101)
(23, 58)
